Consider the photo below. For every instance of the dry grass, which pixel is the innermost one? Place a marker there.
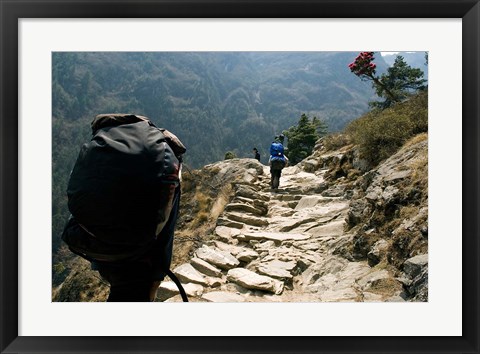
(336, 141)
(203, 200)
(416, 139)
(222, 200)
(419, 169)
(386, 287)
(408, 212)
(82, 284)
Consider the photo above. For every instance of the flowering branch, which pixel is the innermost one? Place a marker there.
(364, 67)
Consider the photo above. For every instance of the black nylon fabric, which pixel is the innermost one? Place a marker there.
(121, 189)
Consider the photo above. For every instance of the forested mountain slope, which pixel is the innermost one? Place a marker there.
(219, 101)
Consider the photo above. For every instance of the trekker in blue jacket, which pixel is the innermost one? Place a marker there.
(277, 161)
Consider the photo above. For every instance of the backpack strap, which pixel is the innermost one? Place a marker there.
(178, 284)
(175, 144)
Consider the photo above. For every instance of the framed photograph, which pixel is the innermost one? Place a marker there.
(35, 34)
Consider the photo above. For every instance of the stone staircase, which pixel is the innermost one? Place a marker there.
(281, 246)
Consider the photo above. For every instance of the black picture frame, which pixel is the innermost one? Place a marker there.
(13, 10)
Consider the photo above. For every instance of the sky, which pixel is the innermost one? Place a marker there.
(388, 53)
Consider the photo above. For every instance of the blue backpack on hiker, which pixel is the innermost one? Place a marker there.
(277, 158)
(276, 151)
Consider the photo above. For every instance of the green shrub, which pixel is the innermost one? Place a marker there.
(379, 134)
(230, 155)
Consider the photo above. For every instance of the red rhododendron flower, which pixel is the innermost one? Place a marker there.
(363, 64)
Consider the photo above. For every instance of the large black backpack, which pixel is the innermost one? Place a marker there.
(122, 188)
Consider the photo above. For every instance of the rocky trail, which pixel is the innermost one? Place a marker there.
(281, 246)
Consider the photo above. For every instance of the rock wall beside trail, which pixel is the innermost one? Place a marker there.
(388, 211)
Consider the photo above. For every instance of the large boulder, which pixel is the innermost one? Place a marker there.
(357, 212)
(237, 170)
(418, 290)
(414, 266)
(370, 279)
(377, 252)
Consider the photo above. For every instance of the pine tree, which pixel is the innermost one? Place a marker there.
(321, 126)
(301, 139)
(398, 83)
(400, 80)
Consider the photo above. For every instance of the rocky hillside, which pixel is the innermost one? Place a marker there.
(334, 231)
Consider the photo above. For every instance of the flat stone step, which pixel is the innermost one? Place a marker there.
(340, 295)
(296, 224)
(260, 204)
(229, 223)
(312, 246)
(308, 202)
(247, 219)
(247, 255)
(333, 228)
(187, 274)
(289, 197)
(252, 280)
(205, 267)
(226, 247)
(223, 296)
(221, 259)
(277, 269)
(169, 289)
(263, 246)
(291, 190)
(225, 233)
(250, 193)
(247, 208)
(273, 236)
(331, 209)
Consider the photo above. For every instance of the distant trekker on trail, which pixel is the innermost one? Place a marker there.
(123, 196)
(256, 153)
(277, 161)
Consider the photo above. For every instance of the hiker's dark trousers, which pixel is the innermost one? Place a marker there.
(132, 281)
(129, 282)
(274, 173)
